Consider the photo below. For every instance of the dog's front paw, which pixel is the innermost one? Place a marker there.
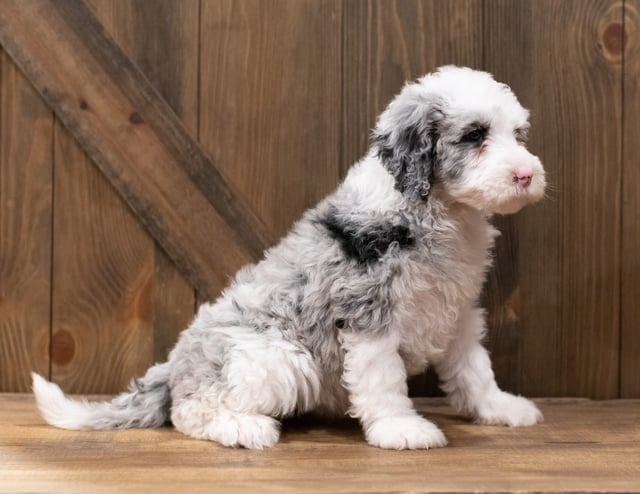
(507, 409)
(405, 432)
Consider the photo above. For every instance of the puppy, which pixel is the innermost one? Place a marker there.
(373, 285)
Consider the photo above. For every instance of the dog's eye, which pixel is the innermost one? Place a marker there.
(476, 135)
(521, 134)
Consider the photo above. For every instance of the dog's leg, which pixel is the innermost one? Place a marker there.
(467, 378)
(375, 377)
(201, 417)
(257, 377)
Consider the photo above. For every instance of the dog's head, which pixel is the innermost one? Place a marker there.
(459, 131)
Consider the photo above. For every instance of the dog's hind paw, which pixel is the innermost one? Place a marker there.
(405, 432)
(242, 430)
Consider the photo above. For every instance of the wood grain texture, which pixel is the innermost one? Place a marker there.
(629, 47)
(269, 112)
(569, 245)
(102, 282)
(118, 301)
(388, 43)
(134, 136)
(507, 45)
(103, 277)
(165, 46)
(25, 229)
(553, 295)
(161, 38)
(582, 446)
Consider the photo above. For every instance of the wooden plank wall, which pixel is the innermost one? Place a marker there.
(630, 329)
(282, 95)
(117, 301)
(26, 159)
(276, 135)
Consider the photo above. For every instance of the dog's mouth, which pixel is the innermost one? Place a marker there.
(519, 197)
(535, 191)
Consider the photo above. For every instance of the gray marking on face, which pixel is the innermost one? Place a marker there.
(407, 145)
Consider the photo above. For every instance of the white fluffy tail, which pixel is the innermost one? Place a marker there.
(145, 405)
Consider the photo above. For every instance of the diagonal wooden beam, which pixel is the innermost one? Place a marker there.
(135, 138)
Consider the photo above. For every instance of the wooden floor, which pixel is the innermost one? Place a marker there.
(581, 446)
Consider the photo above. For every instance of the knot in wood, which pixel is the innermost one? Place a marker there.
(135, 118)
(615, 38)
(63, 347)
(613, 41)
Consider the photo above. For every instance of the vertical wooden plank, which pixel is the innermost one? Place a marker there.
(508, 47)
(118, 302)
(270, 101)
(629, 42)
(161, 37)
(552, 297)
(564, 301)
(388, 43)
(103, 279)
(26, 166)
(166, 50)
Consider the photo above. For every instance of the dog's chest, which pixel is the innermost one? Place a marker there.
(441, 282)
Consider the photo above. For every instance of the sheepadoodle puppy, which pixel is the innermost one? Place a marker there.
(375, 284)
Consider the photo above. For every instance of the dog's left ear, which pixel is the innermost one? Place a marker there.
(405, 140)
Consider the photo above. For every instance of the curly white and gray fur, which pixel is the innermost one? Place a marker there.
(373, 285)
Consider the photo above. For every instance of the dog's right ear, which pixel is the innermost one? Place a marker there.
(405, 140)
